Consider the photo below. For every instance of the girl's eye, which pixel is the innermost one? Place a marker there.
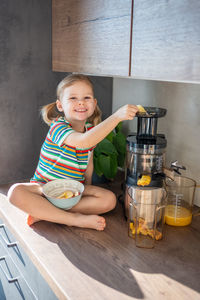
(86, 98)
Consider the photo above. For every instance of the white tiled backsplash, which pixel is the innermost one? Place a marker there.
(181, 125)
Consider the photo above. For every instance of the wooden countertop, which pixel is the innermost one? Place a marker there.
(89, 265)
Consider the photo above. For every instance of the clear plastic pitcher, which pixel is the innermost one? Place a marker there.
(180, 198)
(146, 215)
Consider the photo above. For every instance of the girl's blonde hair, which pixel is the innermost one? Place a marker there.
(50, 112)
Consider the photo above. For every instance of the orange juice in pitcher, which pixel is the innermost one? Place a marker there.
(178, 211)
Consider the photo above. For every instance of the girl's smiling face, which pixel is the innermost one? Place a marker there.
(77, 102)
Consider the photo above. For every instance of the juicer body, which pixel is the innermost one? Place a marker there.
(145, 157)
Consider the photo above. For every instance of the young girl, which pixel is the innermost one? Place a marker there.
(67, 153)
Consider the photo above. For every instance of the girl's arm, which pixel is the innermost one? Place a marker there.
(92, 137)
(89, 171)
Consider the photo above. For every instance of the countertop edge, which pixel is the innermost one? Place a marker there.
(54, 285)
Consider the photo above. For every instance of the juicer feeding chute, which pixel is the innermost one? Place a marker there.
(147, 121)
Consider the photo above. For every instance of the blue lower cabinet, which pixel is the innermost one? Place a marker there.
(13, 284)
(19, 278)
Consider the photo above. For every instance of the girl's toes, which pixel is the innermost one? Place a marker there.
(101, 224)
(100, 228)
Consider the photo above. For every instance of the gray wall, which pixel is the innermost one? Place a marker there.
(27, 83)
(181, 125)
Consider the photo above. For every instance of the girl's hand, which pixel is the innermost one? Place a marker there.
(126, 112)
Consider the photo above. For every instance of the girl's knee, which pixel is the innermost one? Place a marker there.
(14, 193)
(110, 200)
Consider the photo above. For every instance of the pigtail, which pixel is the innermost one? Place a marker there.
(95, 119)
(49, 113)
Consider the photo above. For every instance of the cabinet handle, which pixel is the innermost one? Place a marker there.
(10, 280)
(9, 244)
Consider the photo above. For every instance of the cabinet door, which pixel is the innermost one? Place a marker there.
(12, 283)
(166, 40)
(19, 278)
(91, 36)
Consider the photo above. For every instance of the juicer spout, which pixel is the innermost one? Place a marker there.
(176, 167)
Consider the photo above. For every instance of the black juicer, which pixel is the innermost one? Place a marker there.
(145, 193)
(145, 153)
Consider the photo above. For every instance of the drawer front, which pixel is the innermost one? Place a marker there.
(25, 266)
(12, 284)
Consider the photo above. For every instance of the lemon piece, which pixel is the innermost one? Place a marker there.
(143, 229)
(145, 180)
(131, 226)
(61, 196)
(69, 194)
(158, 235)
(141, 108)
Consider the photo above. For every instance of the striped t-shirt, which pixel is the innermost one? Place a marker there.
(58, 160)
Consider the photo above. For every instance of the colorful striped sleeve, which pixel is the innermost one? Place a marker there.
(59, 131)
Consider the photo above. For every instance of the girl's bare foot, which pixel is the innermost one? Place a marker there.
(79, 220)
(89, 221)
(31, 220)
